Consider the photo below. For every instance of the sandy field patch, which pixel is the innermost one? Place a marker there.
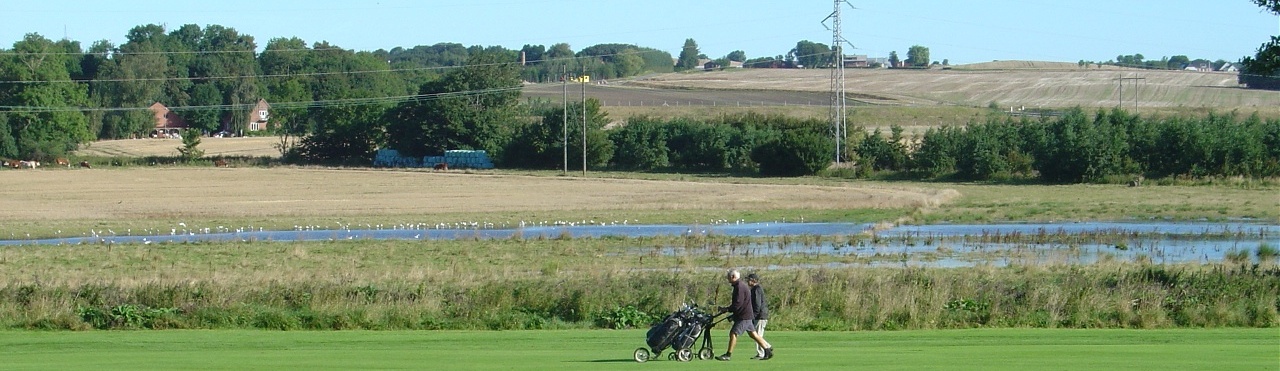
(209, 193)
(248, 146)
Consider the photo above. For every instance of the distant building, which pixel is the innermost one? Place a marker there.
(1201, 66)
(257, 119)
(259, 116)
(1228, 67)
(167, 123)
(856, 61)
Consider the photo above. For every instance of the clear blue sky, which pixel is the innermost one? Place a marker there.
(961, 31)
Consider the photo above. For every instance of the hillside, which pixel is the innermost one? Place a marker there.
(1020, 84)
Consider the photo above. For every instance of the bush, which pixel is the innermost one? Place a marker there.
(626, 317)
(796, 153)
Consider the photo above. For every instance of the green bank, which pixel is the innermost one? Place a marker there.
(975, 349)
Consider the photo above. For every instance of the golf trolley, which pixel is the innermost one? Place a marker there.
(680, 331)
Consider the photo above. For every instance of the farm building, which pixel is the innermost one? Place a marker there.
(167, 123)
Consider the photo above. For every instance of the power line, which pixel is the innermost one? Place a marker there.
(839, 106)
(300, 104)
(307, 74)
(117, 52)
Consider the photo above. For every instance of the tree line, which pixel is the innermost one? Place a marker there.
(1177, 62)
(1109, 145)
(1262, 71)
(58, 95)
(809, 54)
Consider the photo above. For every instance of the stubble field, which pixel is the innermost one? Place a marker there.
(978, 87)
(52, 200)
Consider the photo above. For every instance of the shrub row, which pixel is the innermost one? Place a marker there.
(1075, 147)
(1102, 296)
(1070, 147)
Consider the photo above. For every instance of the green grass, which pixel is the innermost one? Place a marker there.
(981, 349)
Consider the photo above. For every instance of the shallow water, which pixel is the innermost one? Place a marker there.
(941, 245)
(595, 231)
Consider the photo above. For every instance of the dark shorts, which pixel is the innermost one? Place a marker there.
(740, 327)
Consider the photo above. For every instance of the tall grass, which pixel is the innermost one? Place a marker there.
(578, 283)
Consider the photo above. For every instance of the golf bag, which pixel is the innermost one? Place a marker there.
(688, 335)
(680, 331)
(662, 334)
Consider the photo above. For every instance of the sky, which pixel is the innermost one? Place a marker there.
(959, 31)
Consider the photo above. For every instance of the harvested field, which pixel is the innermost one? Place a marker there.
(166, 194)
(977, 87)
(247, 146)
(633, 94)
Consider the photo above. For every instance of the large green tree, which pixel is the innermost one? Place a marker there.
(1270, 5)
(131, 80)
(812, 55)
(289, 61)
(472, 107)
(688, 56)
(231, 64)
(346, 110)
(918, 56)
(1262, 70)
(47, 120)
(541, 145)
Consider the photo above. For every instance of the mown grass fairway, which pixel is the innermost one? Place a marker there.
(985, 349)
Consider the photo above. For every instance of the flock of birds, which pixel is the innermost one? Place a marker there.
(182, 229)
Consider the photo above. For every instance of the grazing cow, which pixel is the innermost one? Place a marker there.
(28, 164)
(85, 164)
(220, 163)
(62, 162)
(441, 166)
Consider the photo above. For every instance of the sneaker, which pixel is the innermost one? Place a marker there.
(724, 357)
(768, 354)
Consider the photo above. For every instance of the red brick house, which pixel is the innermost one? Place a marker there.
(257, 119)
(259, 116)
(167, 123)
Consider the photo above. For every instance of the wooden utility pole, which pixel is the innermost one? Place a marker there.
(1135, 88)
(584, 119)
(564, 131)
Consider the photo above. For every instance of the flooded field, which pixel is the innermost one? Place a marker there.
(943, 245)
